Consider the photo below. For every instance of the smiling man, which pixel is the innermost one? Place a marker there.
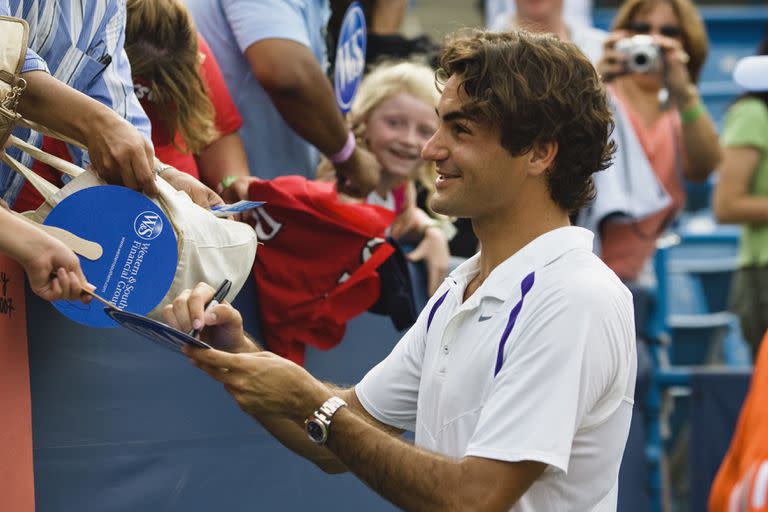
(519, 374)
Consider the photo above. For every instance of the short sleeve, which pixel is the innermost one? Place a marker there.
(255, 20)
(746, 124)
(33, 62)
(390, 391)
(228, 118)
(557, 375)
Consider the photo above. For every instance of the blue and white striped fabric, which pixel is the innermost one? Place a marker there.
(82, 43)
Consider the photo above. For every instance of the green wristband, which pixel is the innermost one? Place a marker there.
(692, 114)
(227, 181)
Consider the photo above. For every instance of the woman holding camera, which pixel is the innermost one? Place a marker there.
(652, 80)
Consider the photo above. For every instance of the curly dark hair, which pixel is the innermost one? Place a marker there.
(537, 89)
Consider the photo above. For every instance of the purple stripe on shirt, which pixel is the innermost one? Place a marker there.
(525, 287)
(436, 305)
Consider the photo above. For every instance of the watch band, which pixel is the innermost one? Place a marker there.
(321, 419)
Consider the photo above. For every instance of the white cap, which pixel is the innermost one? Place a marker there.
(751, 73)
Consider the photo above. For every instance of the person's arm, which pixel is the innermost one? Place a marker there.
(731, 200)
(416, 479)
(414, 225)
(388, 16)
(53, 269)
(222, 327)
(294, 81)
(281, 395)
(119, 153)
(199, 193)
(222, 158)
(700, 141)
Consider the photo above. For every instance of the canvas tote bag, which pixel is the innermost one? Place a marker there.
(210, 248)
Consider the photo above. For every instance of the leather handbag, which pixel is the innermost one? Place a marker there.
(13, 50)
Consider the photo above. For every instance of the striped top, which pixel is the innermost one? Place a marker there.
(81, 41)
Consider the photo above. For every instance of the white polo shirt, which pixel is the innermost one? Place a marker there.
(538, 364)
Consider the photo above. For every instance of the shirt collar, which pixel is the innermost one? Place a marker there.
(538, 253)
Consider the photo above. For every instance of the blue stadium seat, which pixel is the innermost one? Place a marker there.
(692, 325)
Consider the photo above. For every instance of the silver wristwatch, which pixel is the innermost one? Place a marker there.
(319, 422)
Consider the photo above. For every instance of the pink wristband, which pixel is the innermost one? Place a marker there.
(344, 153)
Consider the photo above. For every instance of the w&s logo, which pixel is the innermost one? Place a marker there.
(350, 56)
(148, 225)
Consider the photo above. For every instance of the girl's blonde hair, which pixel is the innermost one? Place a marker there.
(161, 43)
(388, 80)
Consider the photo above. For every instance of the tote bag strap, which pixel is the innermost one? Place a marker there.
(26, 123)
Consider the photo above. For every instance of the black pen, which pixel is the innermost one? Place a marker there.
(217, 298)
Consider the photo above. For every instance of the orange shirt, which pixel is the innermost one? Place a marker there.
(627, 246)
(741, 484)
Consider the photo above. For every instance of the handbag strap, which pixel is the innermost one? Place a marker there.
(26, 123)
(60, 164)
(46, 189)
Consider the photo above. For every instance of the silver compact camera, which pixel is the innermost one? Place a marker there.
(642, 53)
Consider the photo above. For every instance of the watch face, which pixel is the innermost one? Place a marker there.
(315, 431)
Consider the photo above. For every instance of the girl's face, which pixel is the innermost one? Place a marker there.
(396, 131)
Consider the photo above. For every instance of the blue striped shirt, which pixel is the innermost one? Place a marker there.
(81, 41)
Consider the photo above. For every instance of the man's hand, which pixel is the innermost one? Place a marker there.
(359, 175)
(221, 327)
(263, 384)
(120, 154)
(199, 193)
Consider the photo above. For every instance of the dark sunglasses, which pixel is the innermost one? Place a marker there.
(665, 30)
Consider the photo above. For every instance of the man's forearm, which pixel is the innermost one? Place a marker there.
(293, 436)
(417, 479)
(312, 114)
(300, 91)
(411, 478)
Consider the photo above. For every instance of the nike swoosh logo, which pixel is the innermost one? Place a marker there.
(484, 318)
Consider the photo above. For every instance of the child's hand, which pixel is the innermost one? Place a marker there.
(433, 249)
